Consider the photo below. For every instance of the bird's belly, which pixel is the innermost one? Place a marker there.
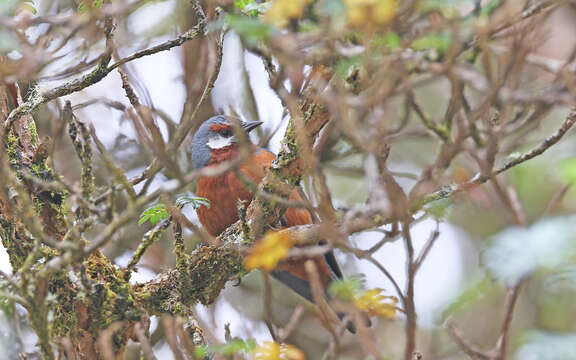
(223, 197)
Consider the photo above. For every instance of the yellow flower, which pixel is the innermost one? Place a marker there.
(271, 350)
(370, 12)
(280, 11)
(269, 251)
(376, 304)
(384, 11)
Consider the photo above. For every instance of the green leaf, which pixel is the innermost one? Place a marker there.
(201, 351)
(343, 66)
(233, 347)
(251, 7)
(81, 7)
(195, 201)
(438, 42)
(238, 346)
(439, 209)
(241, 4)
(389, 39)
(491, 7)
(253, 30)
(153, 214)
(346, 289)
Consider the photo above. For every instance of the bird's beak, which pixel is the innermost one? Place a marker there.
(251, 125)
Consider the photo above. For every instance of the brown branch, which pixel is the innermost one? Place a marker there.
(409, 300)
(540, 149)
(144, 342)
(100, 72)
(511, 300)
(468, 348)
(284, 332)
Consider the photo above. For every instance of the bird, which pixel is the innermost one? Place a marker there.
(215, 142)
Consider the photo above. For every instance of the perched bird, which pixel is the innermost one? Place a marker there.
(215, 142)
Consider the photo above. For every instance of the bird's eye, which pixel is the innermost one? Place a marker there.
(226, 133)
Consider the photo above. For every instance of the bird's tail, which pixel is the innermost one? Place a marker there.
(303, 288)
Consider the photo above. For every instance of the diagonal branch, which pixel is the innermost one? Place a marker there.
(97, 74)
(478, 180)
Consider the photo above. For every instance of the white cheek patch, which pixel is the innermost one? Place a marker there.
(220, 142)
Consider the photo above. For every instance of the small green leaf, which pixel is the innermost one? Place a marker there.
(439, 209)
(241, 4)
(251, 8)
(346, 289)
(390, 40)
(491, 7)
(253, 30)
(438, 42)
(234, 347)
(343, 66)
(238, 346)
(201, 351)
(195, 201)
(153, 214)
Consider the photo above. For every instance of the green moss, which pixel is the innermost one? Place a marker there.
(41, 170)
(16, 247)
(65, 317)
(12, 148)
(207, 272)
(112, 299)
(33, 131)
(38, 205)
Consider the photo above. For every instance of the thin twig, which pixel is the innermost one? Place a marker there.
(540, 149)
(101, 70)
(468, 348)
(144, 343)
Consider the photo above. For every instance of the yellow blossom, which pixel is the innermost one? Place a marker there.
(271, 350)
(269, 251)
(360, 13)
(280, 11)
(376, 304)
